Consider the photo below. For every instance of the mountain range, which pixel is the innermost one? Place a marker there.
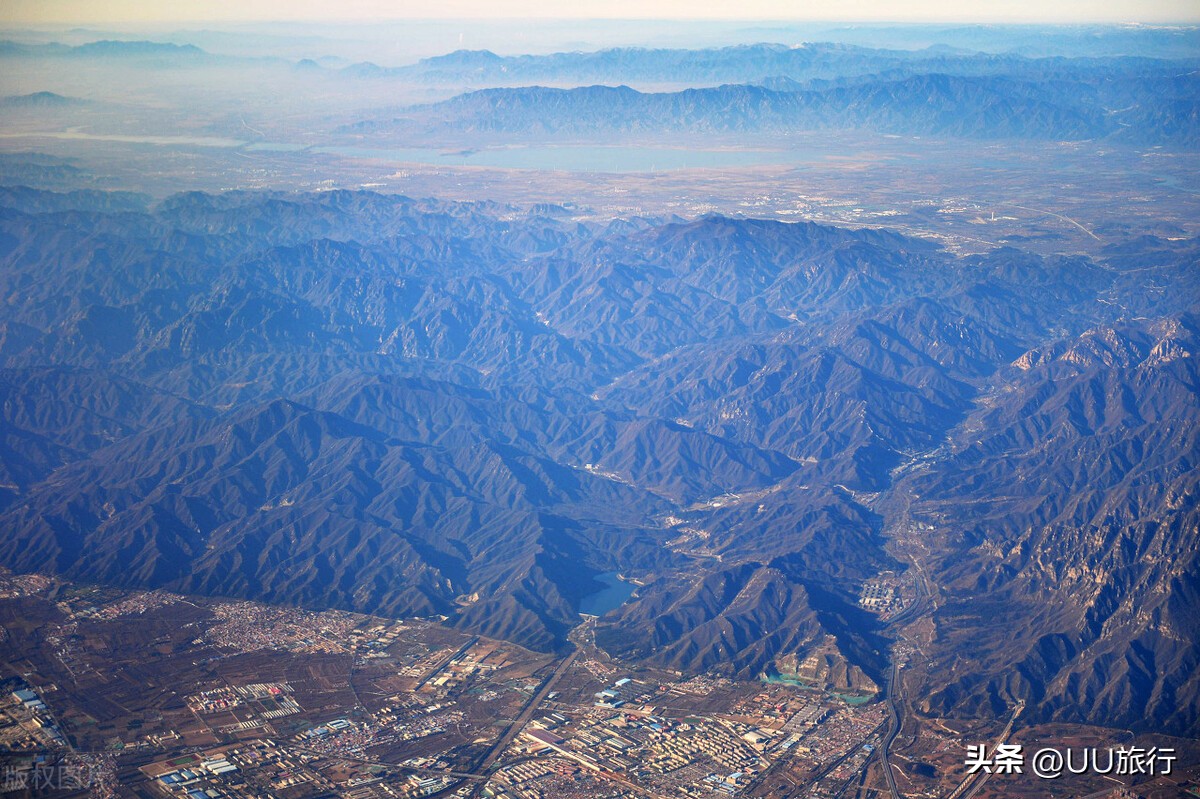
(810, 61)
(1143, 107)
(103, 49)
(470, 410)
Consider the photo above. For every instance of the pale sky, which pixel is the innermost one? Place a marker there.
(91, 12)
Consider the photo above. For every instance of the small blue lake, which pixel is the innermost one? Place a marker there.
(616, 592)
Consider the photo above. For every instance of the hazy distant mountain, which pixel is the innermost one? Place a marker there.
(747, 64)
(40, 100)
(419, 407)
(716, 65)
(119, 49)
(776, 89)
(1141, 109)
(107, 48)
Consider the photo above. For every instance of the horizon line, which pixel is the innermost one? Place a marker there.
(1158, 23)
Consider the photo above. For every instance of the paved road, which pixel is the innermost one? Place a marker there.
(518, 724)
(973, 783)
(895, 686)
(844, 757)
(896, 721)
(1056, 216)
(444, 662)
